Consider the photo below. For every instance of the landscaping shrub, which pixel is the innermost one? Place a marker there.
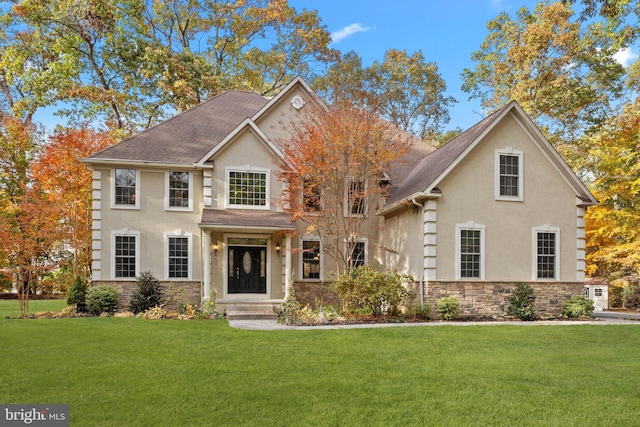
(522, 302)
(77, 292)
(417, 311)
(367, 291)
(449, 308)
(577, 307)
(631, 297)
(147, 295)
(102, 299)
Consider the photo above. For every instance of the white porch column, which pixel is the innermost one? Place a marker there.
(287, 265)
(206, 266)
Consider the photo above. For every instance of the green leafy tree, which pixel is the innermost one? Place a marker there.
(561, 71)
(404, 89)
(129, 62)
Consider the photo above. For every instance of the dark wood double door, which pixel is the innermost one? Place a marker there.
(247, 270)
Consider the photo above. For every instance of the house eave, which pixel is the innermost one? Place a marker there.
(138, 163)
(408, 201)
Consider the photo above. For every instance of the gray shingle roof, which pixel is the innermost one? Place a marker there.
(246, 218)
(187, 137)
(434, 164)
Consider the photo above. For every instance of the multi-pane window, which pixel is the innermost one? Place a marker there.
(125, 186)
(597, 292)
(178, 257)
(310, 259)
(179, 189)
(509, 175)
(546, 255)
(248, 188)
(358, 254)
(470, 253)
(311, 196)
(125, 256)
(356, 198)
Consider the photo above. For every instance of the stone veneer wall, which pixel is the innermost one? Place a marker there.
(175, 292)
(477, 299)
(310, 292)
(490, 299)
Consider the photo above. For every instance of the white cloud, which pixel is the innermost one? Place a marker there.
(625, 56)
(345, 32)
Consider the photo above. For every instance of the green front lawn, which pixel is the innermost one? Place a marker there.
(134, 372)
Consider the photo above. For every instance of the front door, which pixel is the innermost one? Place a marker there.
(247, 270)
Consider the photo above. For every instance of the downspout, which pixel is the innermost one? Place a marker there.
(421, 285)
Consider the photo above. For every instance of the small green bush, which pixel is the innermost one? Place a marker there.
(147, 295)
(577, 307)
(77, 292)
(522, 302)
(631, 297)
(102, 299)
(417, 311)
(449, 308)
(367, 291)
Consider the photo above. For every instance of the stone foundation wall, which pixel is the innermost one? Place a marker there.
(477, 299)
(490, 299)
(307, 293)
(174, 293)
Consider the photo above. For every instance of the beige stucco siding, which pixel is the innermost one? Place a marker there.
(246, 152)
(276, 123)
(468, 195)
(152, 220)
(401, 240)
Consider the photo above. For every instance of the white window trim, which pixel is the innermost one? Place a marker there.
(301, 263)
(167, 195)
(470, 225)
(509, 151)
(113, 190)
(178, 233)
(347, 206)
(534, 252)
(366, 248)
(267, 172)
(128, 233)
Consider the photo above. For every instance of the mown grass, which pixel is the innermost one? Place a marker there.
(134, 372)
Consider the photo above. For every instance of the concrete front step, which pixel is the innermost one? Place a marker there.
(251, 312)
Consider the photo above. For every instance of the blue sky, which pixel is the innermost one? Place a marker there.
(447, 33)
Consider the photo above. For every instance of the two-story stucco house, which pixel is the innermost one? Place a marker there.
(196, 201)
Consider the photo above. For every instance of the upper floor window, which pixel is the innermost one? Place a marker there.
(356, 202)
(311, 259)
(125, 191)
(179, 186)
(470, 251)
(248, 189)
(311, 196)
(509, 182)
(546, 251)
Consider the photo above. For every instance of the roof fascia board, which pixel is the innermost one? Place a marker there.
(247, 123)
(406, 202)
(114, 162)
(550, 153)
(471, 146)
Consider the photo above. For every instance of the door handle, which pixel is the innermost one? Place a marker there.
(237, 272)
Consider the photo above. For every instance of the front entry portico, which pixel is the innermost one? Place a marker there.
(247, 256)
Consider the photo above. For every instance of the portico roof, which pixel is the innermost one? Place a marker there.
(250, 219)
